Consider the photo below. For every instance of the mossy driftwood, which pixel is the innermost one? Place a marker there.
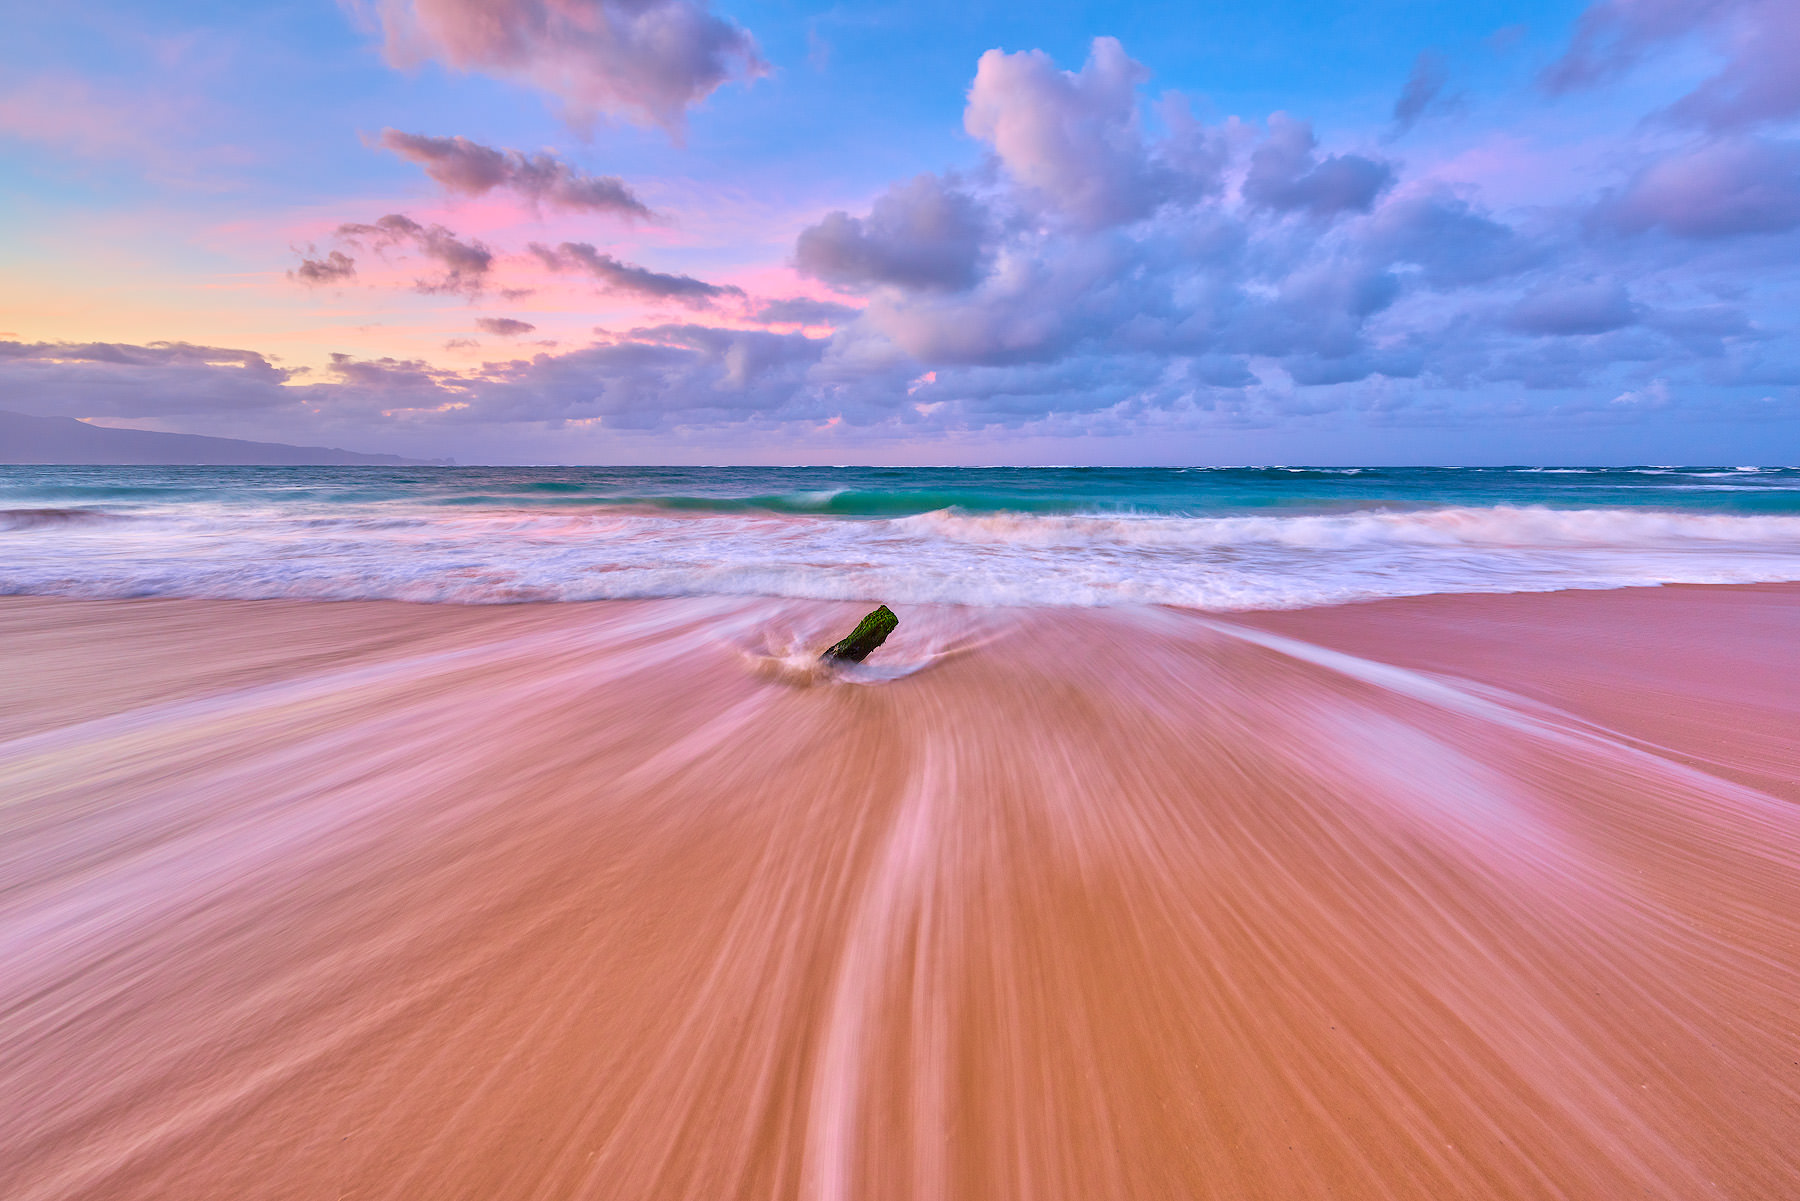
(869, 633)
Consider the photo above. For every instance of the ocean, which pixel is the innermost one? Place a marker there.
(1209, 538)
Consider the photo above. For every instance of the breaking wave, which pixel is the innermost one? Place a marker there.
(432, 553)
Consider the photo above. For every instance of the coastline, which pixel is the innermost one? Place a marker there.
(610, 899)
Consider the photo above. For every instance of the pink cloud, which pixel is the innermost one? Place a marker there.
(1071, 135)
(1733, 187)
(647, 61)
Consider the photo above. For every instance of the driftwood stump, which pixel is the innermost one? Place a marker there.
(869, 633)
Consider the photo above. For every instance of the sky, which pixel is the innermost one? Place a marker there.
(673, 231)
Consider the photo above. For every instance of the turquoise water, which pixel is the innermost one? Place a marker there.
(1214, 538)
(894, 491)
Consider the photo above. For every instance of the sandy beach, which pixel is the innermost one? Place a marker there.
(1455, 896)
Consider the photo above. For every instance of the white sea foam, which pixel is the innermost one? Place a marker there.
(422, 553)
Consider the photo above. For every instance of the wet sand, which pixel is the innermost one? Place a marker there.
(1481, 897)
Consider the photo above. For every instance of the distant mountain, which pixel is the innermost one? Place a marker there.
(64, 440)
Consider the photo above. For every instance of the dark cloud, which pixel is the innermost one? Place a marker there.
(1054, 295)
(1286, 175)
(465, 264)
(615, 276)
(1443, 235)
(472, 169)
(921, 234)
(1704, 330)
(660, 377)
(1315, 370)
(1562, 310)
(645, 60)
(110, 379)
(1720, 190)
(684, 377)
(1423, 87)
(802, 310)
(333, 268)
(1760, 40)
(504, 327)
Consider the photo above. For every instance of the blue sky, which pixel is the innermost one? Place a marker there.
(589, 231)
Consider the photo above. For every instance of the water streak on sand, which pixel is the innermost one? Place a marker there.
(581, 901)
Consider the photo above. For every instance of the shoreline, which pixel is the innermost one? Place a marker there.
(1363, 627)
(615, 899)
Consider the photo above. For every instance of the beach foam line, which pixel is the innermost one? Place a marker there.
(435, 555)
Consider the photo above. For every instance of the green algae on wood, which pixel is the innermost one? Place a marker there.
(869, 633)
